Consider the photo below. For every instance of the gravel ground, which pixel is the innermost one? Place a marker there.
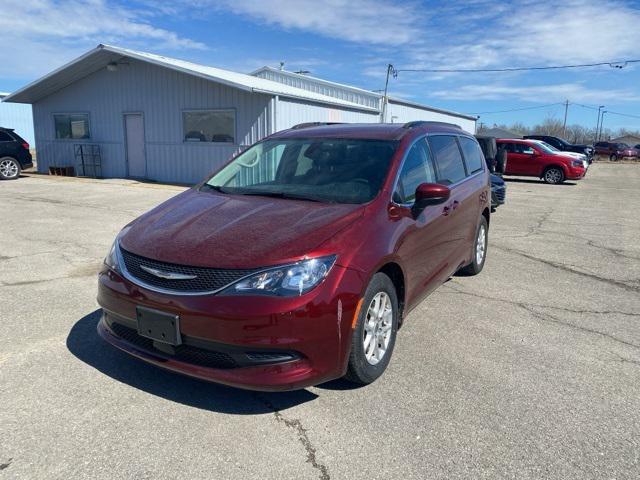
(530, 370)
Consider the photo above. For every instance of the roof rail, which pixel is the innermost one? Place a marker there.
(421, 123)
(314, 124)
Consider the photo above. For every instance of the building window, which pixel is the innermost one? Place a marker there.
(72, 126)
(218, 126)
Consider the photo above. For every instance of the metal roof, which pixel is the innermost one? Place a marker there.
(102, 55)
(320, 81)
(396, 100)
(400, 101)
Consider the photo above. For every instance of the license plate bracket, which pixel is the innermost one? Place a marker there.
(159, 326)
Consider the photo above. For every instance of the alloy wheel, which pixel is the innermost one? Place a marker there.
(377, 328)
(553, 175)
(8, 168)
(481, 244)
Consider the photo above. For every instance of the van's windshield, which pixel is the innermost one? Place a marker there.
(325, 170)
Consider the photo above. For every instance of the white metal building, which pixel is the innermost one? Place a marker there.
(170, 120)
(397, 111)
(17, 116)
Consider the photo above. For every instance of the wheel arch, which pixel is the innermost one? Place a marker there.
(394, 271)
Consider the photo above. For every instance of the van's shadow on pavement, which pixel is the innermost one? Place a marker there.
(83, 341)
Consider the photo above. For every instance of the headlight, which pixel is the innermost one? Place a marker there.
(111, 260)
(285, 281)
(577, 163)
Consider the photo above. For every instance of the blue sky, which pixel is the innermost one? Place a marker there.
(352, 41)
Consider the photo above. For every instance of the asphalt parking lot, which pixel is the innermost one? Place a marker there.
(530, 370)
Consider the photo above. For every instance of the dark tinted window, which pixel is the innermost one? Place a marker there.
(472, 154)
(72, 126)
(448, 159)
(509, 147)
(5, 137)
(553, 141)
(417, 169)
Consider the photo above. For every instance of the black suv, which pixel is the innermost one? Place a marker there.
(563, 145)
(14, 154)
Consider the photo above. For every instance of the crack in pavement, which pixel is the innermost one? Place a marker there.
(560, 266)
(303, 438)
(78, 274)
(6, 464)
(55, 201)
(547, 317)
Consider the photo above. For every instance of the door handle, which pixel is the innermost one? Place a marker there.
(445, 211)
(455, 204)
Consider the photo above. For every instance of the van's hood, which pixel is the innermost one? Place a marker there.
(234, 231)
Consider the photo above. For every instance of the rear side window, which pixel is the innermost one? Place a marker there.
(473, 156)
(5, 137)
(417, 169)
(448, 159)
(506, 146)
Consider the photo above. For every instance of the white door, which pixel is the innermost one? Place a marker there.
(134, 137)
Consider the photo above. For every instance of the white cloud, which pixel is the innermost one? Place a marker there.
(526, 32)
(575, 92)
(363, 21)
(43, 34)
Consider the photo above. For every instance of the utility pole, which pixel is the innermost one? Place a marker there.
(385, 98)
(595, 135)
(601, 124)
(564, 125)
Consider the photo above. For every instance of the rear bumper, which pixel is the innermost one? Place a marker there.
(25, 159)
(315, 328)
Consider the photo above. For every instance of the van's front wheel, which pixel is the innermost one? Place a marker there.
(374, 335)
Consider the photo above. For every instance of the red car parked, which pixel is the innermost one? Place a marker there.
(533, 158)
(615, 151)
(296, 262)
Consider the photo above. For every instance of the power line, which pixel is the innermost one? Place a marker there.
(520, 109)
(623, 114)
(617, 65)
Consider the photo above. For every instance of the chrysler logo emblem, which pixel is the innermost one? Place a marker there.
(167, 275)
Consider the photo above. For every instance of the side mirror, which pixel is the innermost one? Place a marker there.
(430, 194)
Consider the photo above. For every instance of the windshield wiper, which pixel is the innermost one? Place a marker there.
(292, 196)
(217, 188)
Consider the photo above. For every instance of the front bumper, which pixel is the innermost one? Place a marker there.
(314, 329)
(576, 173)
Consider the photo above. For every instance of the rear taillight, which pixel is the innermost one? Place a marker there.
(25, 145)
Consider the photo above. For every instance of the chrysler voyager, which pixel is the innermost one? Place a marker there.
(298, 260)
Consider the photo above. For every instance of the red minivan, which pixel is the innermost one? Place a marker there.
(297, 261)
(534, 158)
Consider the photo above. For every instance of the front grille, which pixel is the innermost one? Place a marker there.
(206, 279)
(184, 353)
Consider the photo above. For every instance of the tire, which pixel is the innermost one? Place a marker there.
(479, 249)
(553, 175)
(364, 366)
(9, 168)
(613, 158)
